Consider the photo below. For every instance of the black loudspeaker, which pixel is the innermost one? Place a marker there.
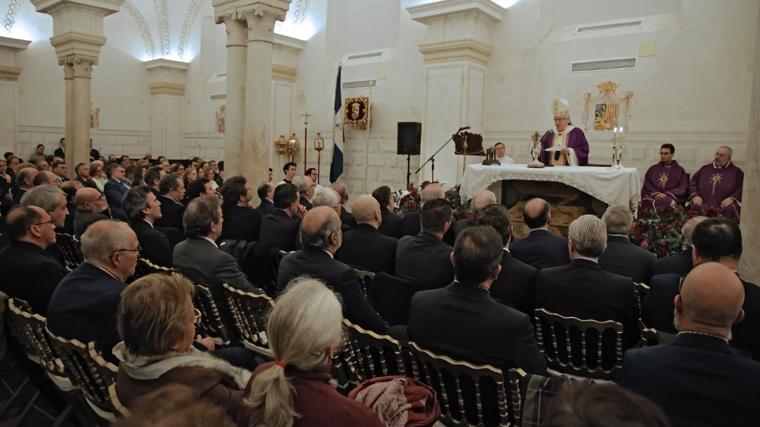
(409, 138)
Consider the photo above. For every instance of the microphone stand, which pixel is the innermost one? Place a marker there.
(431, 160)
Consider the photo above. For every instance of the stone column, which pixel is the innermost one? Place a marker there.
(749, 268)
(9, 74)
(234, 122)
(166, 80)
(77, 39)
(456, 54)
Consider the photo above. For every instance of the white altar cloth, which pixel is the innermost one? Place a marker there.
(612, 186)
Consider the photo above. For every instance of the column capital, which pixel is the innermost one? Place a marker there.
(9, 71)
(79, 46)
(261, 19)
(75, 66)
(237, 30)
(166, 77)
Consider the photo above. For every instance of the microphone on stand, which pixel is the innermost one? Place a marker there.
(463, 128)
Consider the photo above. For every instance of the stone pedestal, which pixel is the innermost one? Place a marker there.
(456, 53)
(77, 39)
(9, 74)
(166, 81)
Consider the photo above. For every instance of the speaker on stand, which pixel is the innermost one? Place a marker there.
(408, 142)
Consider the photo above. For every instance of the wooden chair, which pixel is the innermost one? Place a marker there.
(392, 297)
(90, 373)
(529, 395)
(70, 249)
(649, 336)
(370, 355)
(211, 323)
(584, 347)
(366, 277)
(469, 394)
(249, 313)
(144, 267)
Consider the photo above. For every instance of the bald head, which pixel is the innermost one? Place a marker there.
(710, 299)
(85, 195)
(431, 192)
(536, 213)
(366, 210)
(483, 199)
(320, 228)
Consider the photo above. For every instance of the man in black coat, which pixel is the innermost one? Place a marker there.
(29, 273)
(582, 289)
(115, 189)
(172, 189)
(515, 284)
(84, 304)
(541, 248)
(621, 256)
(144, 210)
(424, 258)
(698, 380)
(364, 247)
(346, 218)
(679, 263)
(266, 194)
(281, 227)
(391, 225)
(241, 221)
(82, 171)
(322, 236)
(462, 321)
(306, 188)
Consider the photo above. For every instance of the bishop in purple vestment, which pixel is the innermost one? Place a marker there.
(574, 147)
(719, 185)
(665, 183)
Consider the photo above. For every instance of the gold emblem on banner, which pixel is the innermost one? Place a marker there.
(356, 112)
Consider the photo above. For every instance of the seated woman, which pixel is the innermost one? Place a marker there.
(305, 330)
(156, 320)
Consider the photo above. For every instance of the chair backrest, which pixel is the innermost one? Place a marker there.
(649, 336)
(370, 355)
(585, 347)
(28, 328)
(211, 323)
(529, 395)
(145, 267)
(367, 277)
(469, 394)
(71, 250)
(249, 314)
(89, 372)
(392, 297)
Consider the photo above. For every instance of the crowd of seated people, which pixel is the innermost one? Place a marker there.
(476, 286)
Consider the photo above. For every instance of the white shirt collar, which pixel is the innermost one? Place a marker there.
(594, 260)
(149, 223)
(104, 270)
(329, 253)
(209, 239)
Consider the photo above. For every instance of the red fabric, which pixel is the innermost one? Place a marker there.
(425, 409)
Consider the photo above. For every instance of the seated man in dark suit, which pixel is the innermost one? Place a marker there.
(115, 189)
(410, 222)
(172, 189)
(621, 256)
(84, 304)
(266, 194)
(29, 273)
(346, 218)
(82, 171)
(53, 201)
(24, 181)
(713, 240)
(364, 247)
(541, 248)
(514, 286)
(241, 221)
(424, 258)
(582, 289)
(281, 227)
(306, 188)
(391, 225)
(698, 380)
(679, 263)
(462, 321)
(199, 258)
(143, 210)
(481, 200)
(91, 207)
(322, 236)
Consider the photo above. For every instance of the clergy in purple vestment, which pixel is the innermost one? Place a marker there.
(570, 140)
(719, 185)
(665, 183)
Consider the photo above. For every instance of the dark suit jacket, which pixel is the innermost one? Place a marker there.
(515, 284)
(18, 193)
(410, 224)
(84, 305)
(467, 324)
(84, 219)
(115, 192)
(155, 245)
(280, 229)
(658, 303)
(340, 277)
(59, 153)
(424, 259)
(697, 381)
(391, 225)
(265, 208)
(626, 259)
(205, 264)
(366, 248)
(30, 274)
(746, 334)
(460, 225)
(306, 203)
(87, 182)
(171, 213)
(347, 220)
(541, 249)
(679, 264)
(240, 223)
(582, 289)
(68, 225)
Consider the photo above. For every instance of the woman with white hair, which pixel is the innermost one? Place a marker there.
(305, 330)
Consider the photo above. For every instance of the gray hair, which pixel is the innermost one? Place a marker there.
(618, 219)
(589, 235)
(341, 189)
(431, 192)
(483, 199)
(319, 239)
(688, 229)
(45, 196)
(301, 182)
(98, 246)
(135, 201)
(200, 214)
(325, 197)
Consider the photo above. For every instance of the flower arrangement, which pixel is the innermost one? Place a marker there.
(461, 210)
(659, 231)
(406, 200)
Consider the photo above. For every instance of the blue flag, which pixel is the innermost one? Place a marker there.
(336, 166)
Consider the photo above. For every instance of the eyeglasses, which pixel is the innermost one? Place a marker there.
(138, 250)
(196, 316)
(45, 222)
